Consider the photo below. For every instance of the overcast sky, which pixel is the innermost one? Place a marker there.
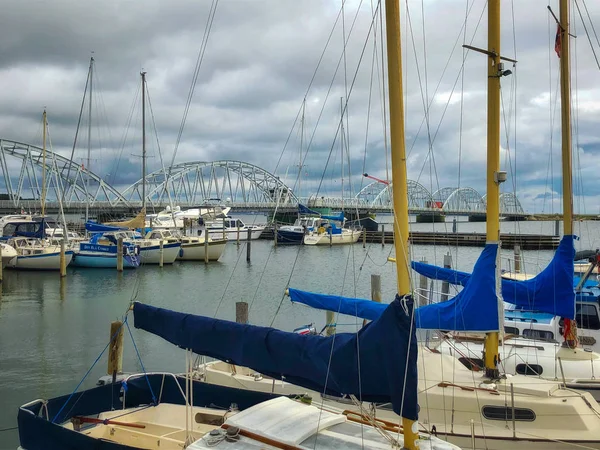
(258, 64)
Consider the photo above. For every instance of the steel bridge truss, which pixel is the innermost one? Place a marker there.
(193, 183)
(62, 175)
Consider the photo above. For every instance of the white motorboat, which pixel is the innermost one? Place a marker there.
(36, 254)
(193, 248)
(8, 253)
(177, 218)
(233, 229)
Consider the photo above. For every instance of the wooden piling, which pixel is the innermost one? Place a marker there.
(120, 255)
(364, 237)
(238, 234)
(329, 323)
(517, 258)
(423, 298)
(115, 349)
(330, 237)
(241, 312)
(383, 235)
(375, 291)
(205, 247)
(223, 228)
(248, 245)
(1, 274)
(557, 228)
(161, 254)
(275, 234)
(445, 284)
(63, 260)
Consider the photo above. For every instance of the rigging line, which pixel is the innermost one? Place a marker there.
(308, 89)
(77, 129)
(447, 65)
(591, 23)
(383, 92)
(362, 53)
(200, 58)
(125, 134)
(587, 34)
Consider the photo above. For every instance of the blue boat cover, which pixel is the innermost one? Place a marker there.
(550, 291)
(304, 210)
(338, 218)
(336, 365)
(475, 308)
(95, 227)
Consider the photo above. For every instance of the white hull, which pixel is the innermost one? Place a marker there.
(8, 253)
(451, 397)
(46, 261)
(151, 255)
(232, 234)
(195, 252)
(346, 237)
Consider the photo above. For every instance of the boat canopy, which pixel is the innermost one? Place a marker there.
(551, 291)
(336, 365)
(475, 308)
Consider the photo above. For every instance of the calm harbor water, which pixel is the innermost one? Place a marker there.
(50, 334)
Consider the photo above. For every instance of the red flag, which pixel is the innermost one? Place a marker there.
(557, 46)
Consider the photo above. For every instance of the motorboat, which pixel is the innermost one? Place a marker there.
(36, 254)
(193, 248)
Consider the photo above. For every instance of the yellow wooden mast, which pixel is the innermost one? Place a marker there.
(400, 187)
(565, 101)
(44, 126)
(493, 161)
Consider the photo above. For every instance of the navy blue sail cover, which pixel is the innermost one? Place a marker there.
(306, 211)
(551, 291)
(475, 308)
(336, 365)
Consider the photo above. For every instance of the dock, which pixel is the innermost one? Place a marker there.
(509, 240)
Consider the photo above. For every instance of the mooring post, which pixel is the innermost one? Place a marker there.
(454, 225)
(248, 245)
(275, 234)
(223, 228)
(241, 312)
(364, 237)
(330, 236)
(63, 260)
(161, 254)
(517, 258)
(1, 275)
(329, 323)
(445, 284)
(205, 247)
(115, 349)
(382, 234)
(120, 255)
(375, 290)
(557, 228)
(423, 290)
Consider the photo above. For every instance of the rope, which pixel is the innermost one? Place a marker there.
(88, 372)
(141, 363)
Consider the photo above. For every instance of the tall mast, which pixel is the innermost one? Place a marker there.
(143, 140)
(565, 102)
(89, 149)
(44, 163)
(399, 177)
(301, 146)
(493, 163)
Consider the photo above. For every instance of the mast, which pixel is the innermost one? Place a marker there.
(143, 141)
(494, 177)
(89, 146)
(44, 126)
(565, 102)
(399, 177)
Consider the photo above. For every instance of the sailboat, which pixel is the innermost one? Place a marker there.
(339, 366)
(484, 409)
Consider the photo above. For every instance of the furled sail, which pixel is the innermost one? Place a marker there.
(475, 308)
(337, 365)
(550, 291)
(137, 222)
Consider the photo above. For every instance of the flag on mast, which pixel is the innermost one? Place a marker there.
(557, 40)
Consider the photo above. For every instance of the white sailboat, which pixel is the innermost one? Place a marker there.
(231, 228)
(193, 248)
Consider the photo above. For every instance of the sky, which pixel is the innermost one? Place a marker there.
(264, 62)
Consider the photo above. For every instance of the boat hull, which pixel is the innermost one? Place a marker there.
(151, 255)
(290, 237)
(232, 234)
(103, 261)
(45, 261)
(196, 251)
(8, 253)
(346, 237)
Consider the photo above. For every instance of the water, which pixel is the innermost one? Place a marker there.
(51, 335)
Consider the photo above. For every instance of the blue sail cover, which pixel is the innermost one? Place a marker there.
(550, 291)
(338, 218)
(325, 364)
(475, 308)
(304, 210)
(95, 227)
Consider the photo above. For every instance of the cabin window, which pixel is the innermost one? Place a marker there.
(506, 413)
(587, 317)
(529, 369)
(511, 330)
(541, 335)
(9, 229)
